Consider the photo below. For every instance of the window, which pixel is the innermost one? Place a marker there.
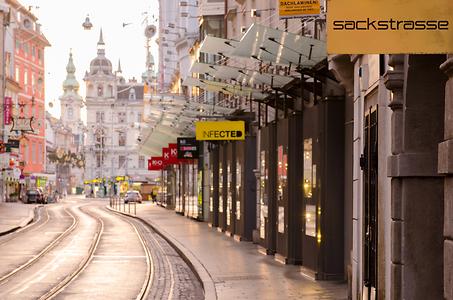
(33, 52)
(100, 91)
(33, 80)
(132, 94)
(121, 139)
(33, 153)
(17, 46)
(141, 162)
(40, 56)
(121, 117)
(98, 160)
(17, 74)
(25, 77)
(26, 50)
(99, 117)
(139, 117)
(121, 161)
(70, 113)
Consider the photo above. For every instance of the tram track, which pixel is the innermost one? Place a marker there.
(44, 251)
(83, 264)
(167, 264)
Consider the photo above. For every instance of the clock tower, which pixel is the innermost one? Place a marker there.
(71, 102)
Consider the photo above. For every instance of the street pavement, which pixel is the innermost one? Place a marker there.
(15, 215)
(231, 269)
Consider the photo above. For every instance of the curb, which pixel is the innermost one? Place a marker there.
(28, 221)
(197, 267)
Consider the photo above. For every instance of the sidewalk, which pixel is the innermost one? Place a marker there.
(15, 215)
(236, 269)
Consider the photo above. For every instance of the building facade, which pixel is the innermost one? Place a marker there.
(114, 118)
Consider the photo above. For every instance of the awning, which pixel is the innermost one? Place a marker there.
(226, 88)
(218, 46)
(272, 45)
(240, 75)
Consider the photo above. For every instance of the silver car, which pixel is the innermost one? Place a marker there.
(133, 196)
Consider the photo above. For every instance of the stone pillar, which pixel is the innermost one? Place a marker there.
(446, 167)
(416, 187)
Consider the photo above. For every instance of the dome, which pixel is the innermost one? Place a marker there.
(101, 65)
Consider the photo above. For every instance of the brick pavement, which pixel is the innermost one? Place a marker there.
(236, 270)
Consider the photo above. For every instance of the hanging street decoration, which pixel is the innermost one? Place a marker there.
(60, 156)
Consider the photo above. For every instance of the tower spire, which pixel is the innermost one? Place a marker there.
(119, 67)
(101, 44)
(70, 83)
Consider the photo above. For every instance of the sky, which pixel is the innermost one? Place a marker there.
(61, 22)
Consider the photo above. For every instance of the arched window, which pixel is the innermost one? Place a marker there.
(100, 91)
(110, 91)
(70, 113)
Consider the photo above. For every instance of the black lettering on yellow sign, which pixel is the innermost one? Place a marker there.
(222, 134)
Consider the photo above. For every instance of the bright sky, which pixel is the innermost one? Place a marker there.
(62, 25)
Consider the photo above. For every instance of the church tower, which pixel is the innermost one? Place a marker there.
(71, 102)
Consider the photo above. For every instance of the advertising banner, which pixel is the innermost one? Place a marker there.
(220, 130)
(389, 26)
(155, 164)
(301, 8)
(173, 154)
(187, 148)
(7, 111)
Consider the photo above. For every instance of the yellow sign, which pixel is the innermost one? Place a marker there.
(293, 8)
(87, 182)
(389, 26)
(220, 130)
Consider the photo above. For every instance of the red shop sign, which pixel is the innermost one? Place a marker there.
(155, 164)
(173, 154)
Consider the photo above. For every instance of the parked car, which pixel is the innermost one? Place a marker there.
(35, 196)
(132, 196)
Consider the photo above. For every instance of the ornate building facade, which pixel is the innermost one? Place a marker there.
(114, 118)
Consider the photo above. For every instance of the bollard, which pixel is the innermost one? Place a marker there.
(135, 209)
(129, 206)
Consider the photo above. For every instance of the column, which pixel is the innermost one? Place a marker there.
(445, 166)
(416, 239)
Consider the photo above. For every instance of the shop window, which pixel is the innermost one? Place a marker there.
(263, 194)
(220, 187)
(229, 196)
(310, 220)
(308, 168)
(238, 189)
(369, 165)
(281, 172)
